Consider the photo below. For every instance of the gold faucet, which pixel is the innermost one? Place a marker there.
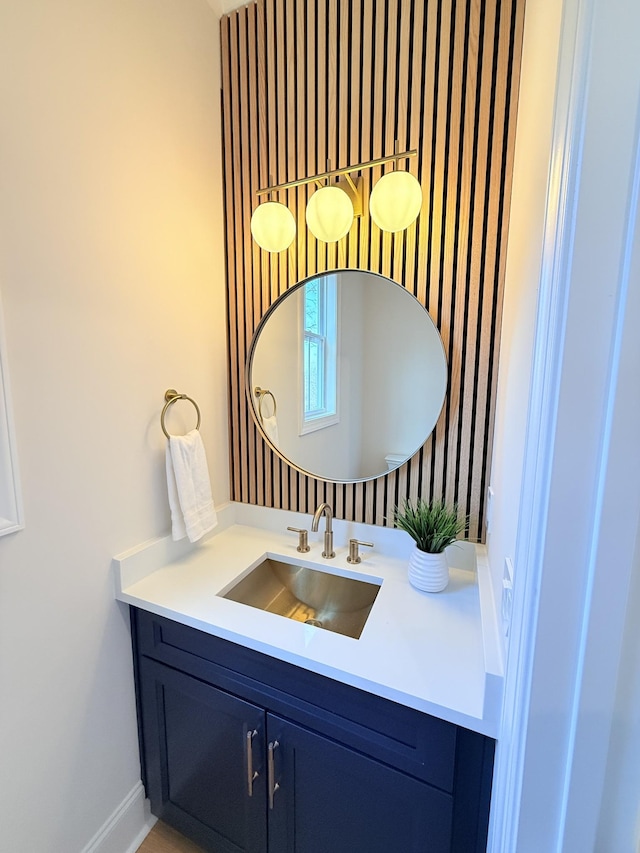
(325, 509)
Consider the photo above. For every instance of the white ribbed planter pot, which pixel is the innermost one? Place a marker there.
(428, 572)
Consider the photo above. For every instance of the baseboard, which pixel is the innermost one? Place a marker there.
(126, 828)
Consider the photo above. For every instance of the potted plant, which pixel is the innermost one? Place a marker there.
(433, 526)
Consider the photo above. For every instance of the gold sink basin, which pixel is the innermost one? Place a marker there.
(312, 596)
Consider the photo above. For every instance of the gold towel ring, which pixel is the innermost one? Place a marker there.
(171, 396)
(261, 393)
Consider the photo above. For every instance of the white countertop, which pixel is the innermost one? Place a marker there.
(437, 652)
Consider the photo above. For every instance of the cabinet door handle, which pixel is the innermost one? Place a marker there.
(271, 766)
(251, 773)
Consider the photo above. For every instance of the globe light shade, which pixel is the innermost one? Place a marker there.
(273, 226)
(395, 201)
(329, 214)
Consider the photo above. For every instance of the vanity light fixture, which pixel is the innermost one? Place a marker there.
(395, 201)
(331, 209)
(329, 214)
(273, 226)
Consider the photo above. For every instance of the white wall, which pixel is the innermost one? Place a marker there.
(523, 271)
(404, 374)
(111, 272)
(619, 817)
(351, 371)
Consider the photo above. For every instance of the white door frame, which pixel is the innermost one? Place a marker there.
(565, 639)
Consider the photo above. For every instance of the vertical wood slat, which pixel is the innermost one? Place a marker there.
(440, 290)
(298, 155)
(476, 364)
(260, 272)
(331, 109)
(455, 297)
(229, 249)
(234, 226)
(301, 111)
(307, 80)
(237, 256)
(305, 236)
(464, 296)
(256, 120)
(488, 258)
(414, 257)
(398, 104)
(517, 25)
(467, 268)
(244, 253)
(360, 149)
(377, 124)
(279, 96)
(366, 152)
(321, 83)
(389, 107)
(271, 272)
(402, 111)
(498, 201)
(352, 123)
(470, 252)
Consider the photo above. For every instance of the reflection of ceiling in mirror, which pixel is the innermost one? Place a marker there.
(388, 367)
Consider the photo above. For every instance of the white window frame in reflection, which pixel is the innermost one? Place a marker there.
(320, 338)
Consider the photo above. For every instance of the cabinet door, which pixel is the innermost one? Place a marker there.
(200, 752)
(332, 799)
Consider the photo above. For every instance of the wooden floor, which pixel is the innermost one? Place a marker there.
(164, 839)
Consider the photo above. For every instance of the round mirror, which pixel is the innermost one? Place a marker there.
(346, 375)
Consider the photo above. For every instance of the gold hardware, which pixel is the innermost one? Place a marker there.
(252, 774)
(171, 396)
(303, 542)
(273, 785)
(354, 556)
(325, 509)
(349, 180)
(353, 190)
(335, 173)
(261, 393)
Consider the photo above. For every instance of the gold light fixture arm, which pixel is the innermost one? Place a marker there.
(350, 182)
(335, 173)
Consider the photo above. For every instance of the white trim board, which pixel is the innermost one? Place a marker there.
(565, 641)
(126, 828)
(544, 391)
(611, 560)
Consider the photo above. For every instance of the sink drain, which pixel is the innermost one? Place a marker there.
(315, 622)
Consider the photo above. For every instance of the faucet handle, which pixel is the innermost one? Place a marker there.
(303, 542)
(354, 556)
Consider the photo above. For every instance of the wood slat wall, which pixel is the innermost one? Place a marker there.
(306, 81)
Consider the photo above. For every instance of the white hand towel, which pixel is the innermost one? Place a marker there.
(270, 426)
(192, 511)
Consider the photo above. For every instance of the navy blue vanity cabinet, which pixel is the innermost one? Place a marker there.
(244, 752)
(332, 798)
(203, 749)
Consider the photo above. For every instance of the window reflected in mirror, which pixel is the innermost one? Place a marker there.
(320, 354)
(358, 372)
